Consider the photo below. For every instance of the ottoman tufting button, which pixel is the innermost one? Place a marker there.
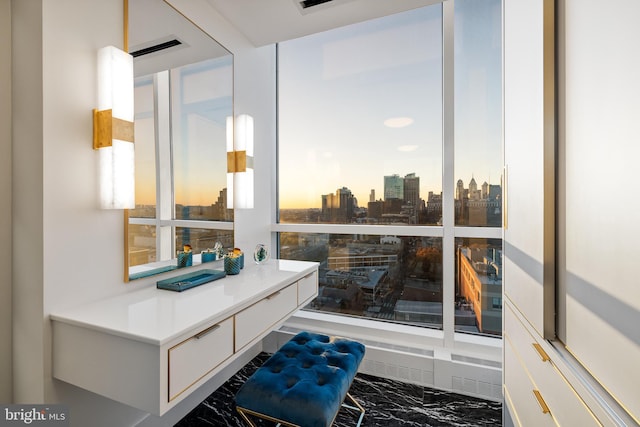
(291, 382)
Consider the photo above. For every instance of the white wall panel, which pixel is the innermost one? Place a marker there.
(528, 119)
(600, 230)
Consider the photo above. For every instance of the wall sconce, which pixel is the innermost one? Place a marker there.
(113, 129)
(240, 162)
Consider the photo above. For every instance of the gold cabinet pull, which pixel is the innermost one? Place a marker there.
(541, 402)
(206, 332)
(273, 295)
(543, 354)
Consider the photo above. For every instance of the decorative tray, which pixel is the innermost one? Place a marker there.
(191, 280)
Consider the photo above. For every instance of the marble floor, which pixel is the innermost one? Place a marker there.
(387, 403)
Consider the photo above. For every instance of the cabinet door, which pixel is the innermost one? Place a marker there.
(529, 147)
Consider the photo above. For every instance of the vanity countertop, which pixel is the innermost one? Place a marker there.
(158, 316)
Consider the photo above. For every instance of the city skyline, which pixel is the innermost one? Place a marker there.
(362, 202)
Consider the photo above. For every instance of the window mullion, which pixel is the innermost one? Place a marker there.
(164, 235)
(448, 179)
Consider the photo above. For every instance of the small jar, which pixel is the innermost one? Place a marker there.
(185, 259)
(208, 256)
(232, 265)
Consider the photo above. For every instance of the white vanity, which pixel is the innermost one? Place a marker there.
(151, 348)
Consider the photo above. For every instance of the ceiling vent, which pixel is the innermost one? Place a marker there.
(311, 3)
(308, 6)
(157, 47)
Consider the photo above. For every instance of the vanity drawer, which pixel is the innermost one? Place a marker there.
(566, 406)
(193, 358)
(307, 287)
(264, 314)
(527, 409)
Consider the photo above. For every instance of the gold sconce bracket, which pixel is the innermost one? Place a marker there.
(238, 161)
(106, 128)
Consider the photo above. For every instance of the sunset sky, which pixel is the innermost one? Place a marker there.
(355, 104)
(365, 101)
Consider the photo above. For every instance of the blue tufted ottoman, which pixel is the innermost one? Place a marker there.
(304, 383)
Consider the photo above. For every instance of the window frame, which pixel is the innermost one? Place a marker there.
(448, 231)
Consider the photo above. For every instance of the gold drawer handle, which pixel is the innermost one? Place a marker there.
(543, 354)
(541, 402)
(206, 332)
(273, 295)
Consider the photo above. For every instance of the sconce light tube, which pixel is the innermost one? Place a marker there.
(113, 129)
(240, 191)
(243, 186)
(231, 162)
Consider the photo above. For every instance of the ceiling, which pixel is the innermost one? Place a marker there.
(269, 21)
(152, 22)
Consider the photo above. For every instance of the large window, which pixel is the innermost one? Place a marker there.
(389, 165)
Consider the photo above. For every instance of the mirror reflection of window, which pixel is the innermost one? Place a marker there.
(201, 94)
(183, 97)
(181, 119)
(145, 149)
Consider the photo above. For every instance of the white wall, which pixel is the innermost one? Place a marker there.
(5, 196)
(599, 228)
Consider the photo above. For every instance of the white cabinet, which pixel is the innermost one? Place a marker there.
(577, 305)
(521, 394)
(538, 393)
(151, 348)
(529, 148)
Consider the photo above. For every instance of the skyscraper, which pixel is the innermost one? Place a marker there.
(411, 193)
(338, 208)
(393, 187)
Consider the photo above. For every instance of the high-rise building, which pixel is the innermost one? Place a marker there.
(411, 193)
(474, 193)
(393, 187)
(460, 190)
(339, 207)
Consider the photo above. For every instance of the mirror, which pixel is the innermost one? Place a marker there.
(183, 101)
